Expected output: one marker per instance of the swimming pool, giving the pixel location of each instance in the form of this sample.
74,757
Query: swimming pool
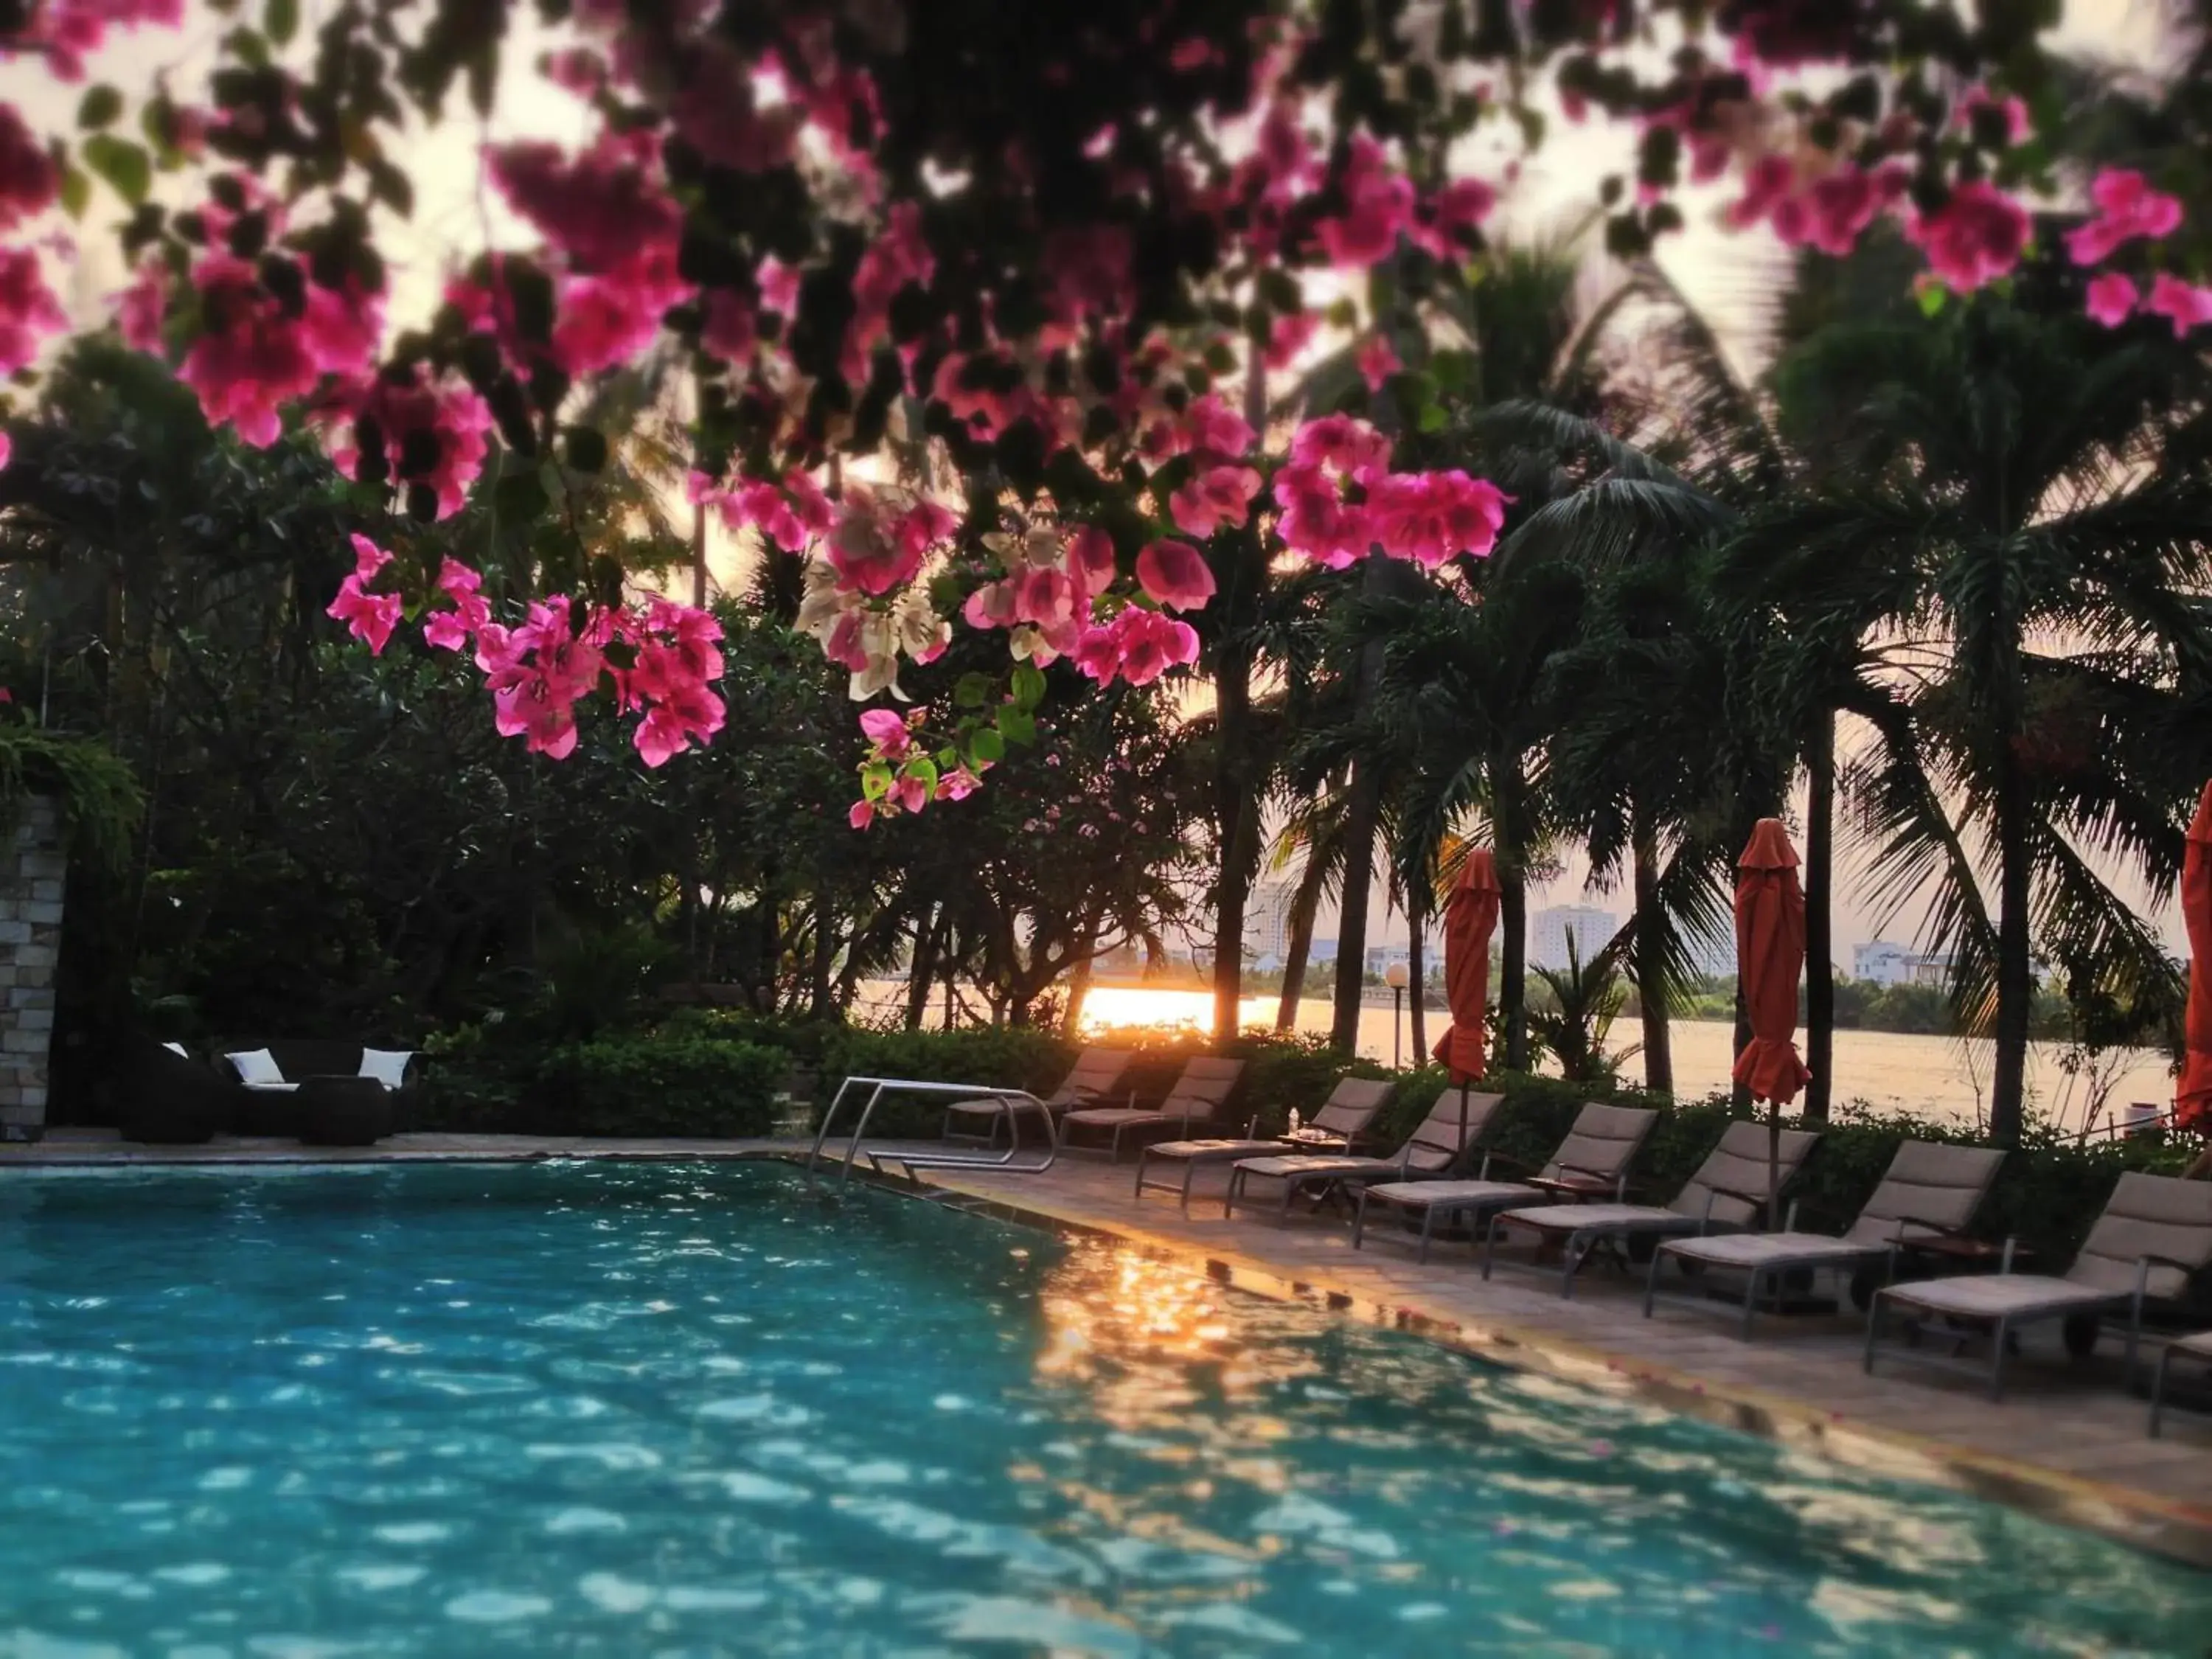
686,1409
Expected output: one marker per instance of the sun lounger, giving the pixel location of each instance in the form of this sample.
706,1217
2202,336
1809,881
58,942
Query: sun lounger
1931,1190
1436,1148
1090,1081
1350,1107
2156,1231
2198,1348
1729,1190
1198,1094
1597,1149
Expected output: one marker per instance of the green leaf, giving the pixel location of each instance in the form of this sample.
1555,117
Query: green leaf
1932,296
77,192
519,498
1431,419
923,767
587,448
987,747
1016,725
125,166
875,781
1029,685
100,106
281,22
972,691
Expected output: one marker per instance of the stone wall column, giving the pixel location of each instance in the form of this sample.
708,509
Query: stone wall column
33,871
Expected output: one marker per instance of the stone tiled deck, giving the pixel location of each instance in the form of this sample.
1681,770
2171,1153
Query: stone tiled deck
2067,1443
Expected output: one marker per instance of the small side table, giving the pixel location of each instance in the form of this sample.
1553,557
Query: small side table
342,1111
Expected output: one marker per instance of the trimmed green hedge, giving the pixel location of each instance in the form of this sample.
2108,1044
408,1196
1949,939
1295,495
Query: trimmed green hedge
632,1085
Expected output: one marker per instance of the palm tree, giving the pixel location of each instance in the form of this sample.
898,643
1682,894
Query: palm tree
2024,496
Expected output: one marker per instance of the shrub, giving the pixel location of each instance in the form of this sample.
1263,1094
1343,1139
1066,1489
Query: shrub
633,1085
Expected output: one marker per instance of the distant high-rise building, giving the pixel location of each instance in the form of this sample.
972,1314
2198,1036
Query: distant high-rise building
1267,921
1548,931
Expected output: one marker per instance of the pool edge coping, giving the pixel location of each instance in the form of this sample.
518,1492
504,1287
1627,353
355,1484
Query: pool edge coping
2173,1529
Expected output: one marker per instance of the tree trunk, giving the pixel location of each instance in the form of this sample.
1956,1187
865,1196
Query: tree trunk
1513,962
1237,818
1651,975
1417,916
922,968
1305,903
1359,826
825,949
1820,929
2015,959
1079,987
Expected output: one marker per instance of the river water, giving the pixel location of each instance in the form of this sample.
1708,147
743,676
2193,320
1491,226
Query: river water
1938,1077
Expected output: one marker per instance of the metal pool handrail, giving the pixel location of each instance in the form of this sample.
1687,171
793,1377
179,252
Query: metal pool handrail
878,1087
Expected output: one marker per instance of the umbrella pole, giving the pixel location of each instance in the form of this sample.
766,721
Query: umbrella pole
1773,1163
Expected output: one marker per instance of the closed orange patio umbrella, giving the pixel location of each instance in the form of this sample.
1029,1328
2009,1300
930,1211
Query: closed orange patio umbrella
2192,1092
1470,917
1770,957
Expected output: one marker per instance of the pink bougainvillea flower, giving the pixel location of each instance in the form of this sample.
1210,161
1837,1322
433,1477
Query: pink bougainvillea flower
1210,427
1213,497
1150,644
257,353
1288,336
29,310
2014,110
600,207
614,315
449,630
2185,305
957,784
2127,207
1836,210
142,308
1431,517
1175,573
1090,560
1378,204
1378,361
779,286
873,550
2112,298
1340,443
1975,238
1766,183
415,431
369,618
1444,223
860,814
887,732
29,183
7,450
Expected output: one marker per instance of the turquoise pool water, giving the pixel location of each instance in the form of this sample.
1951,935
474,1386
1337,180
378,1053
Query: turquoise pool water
687,1410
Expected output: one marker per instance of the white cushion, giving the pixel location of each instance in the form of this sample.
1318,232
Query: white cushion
178,1048
256,1066
387,1066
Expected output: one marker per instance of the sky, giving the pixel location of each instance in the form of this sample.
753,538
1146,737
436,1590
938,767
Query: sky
1726,274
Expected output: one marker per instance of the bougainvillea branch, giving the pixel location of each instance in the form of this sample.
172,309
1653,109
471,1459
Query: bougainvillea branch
894,245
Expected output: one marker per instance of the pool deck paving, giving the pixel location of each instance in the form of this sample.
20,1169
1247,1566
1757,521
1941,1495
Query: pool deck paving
2068,1442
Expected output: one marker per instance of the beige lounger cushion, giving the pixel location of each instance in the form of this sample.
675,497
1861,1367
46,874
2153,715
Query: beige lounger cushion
1739,1165
1438,1144
1095,1072
1614,1218
1602,1142
1352,1105
1772,1249
1113,1117
2148,1215
1987,1296
1308,1164
1208,1149
1427,1194
1926,1182
2197,1347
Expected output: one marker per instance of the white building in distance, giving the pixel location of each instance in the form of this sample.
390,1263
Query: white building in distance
1885,963
1267,922
1548,931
